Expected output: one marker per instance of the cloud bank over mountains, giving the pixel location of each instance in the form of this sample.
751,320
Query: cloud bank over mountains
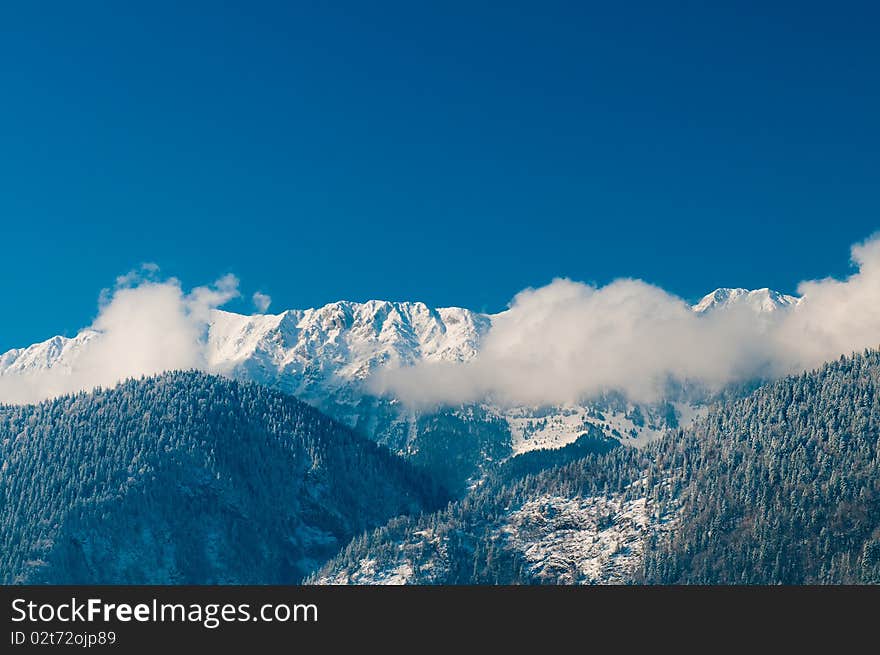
564,342
567,341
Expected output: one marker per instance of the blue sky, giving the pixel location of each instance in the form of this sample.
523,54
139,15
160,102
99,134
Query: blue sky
453,153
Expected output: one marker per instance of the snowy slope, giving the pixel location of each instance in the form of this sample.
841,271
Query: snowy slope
559,539
593,540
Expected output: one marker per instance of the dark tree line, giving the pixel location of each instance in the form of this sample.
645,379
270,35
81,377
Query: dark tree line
188,478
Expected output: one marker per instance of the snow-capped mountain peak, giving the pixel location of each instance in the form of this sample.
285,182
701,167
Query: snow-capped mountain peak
760,300
342,340
58,351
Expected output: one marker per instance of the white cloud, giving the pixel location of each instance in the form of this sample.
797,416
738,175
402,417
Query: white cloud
568,340
146,271
262,301
837,317
146,327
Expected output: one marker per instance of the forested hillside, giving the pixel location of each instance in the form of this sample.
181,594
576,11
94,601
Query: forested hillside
188,478
783,486
780,487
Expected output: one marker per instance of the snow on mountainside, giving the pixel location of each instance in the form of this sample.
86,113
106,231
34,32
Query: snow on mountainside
555,539
592,540
324,356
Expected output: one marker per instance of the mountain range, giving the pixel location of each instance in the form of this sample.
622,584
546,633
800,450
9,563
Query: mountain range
190,477
327,357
